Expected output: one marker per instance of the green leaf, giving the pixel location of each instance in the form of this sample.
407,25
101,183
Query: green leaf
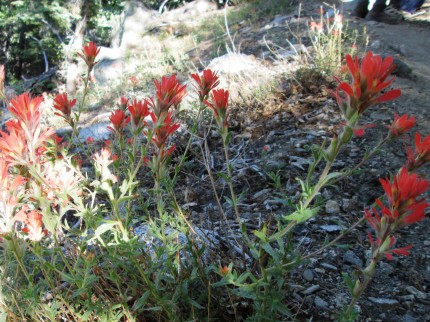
332,176
301,215
350,283
269,249
106,226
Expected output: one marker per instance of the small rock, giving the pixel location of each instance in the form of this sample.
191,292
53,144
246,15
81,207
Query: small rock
332,207
308,275
382,301
331,228
261,193
351,258
320,303
384,269
376,44
409,318
418,294
329,266
311,290
407,298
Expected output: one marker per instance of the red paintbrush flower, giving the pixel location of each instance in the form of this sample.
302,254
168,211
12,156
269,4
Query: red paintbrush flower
421,154
401,125
119,121
219,106
168,93
26,110
138,111
164,128
404,191
64,105
368,80
205,83
89,54
122,103
34,226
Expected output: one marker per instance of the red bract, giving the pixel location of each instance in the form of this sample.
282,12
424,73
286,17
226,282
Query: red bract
403,194
138,111
164,127
368,80
205,83
220,102
64,105
34,226
26,110
406,206
421,154
123,103
119,121
10,193
89,54
13,143
401,124
168,93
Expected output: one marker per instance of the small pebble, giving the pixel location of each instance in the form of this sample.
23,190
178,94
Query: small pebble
332,207
418,294
311,290
382,301
308,275
351,258
320,303
329,266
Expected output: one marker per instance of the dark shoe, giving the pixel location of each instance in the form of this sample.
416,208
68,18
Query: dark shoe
389,16
361,9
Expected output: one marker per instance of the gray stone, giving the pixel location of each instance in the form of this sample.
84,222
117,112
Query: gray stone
417,293
311,290
351,258
329,266
383,301
407,298
332,207
97,131
331,228
409,318
320,303
308,275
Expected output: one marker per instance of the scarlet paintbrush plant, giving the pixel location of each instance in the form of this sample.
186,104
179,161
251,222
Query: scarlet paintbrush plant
219,99
421,155
369,79
138,111
401,125
119,121
406,205
64,106
205,83
168,93
89,54
23,141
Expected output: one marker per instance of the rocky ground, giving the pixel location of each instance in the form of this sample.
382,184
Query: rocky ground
299,115
272,131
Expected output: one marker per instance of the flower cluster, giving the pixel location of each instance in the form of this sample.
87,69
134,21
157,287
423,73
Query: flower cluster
405,206
369,79
89,54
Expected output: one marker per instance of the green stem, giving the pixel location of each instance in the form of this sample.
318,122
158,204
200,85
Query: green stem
20,263
230,179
